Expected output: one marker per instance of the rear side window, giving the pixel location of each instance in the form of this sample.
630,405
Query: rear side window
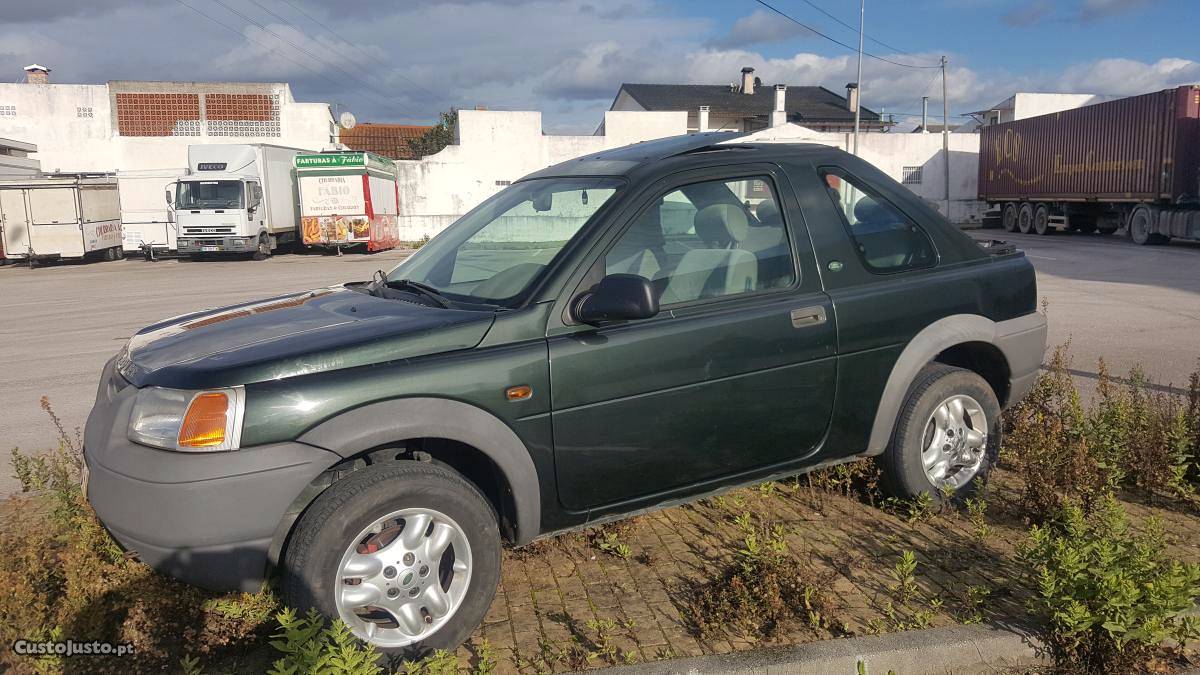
886,239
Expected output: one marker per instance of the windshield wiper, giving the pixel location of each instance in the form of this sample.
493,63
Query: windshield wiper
420,289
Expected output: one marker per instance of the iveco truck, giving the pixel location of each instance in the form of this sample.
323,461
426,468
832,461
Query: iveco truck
238,198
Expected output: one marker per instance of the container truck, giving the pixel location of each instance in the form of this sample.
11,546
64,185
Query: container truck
67,217
1132,163
237,198
348,199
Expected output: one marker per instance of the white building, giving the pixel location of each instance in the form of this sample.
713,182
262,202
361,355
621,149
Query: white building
141,130
15,161
1031,104
494,148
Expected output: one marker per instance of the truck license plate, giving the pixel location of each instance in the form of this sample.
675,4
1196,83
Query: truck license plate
210,248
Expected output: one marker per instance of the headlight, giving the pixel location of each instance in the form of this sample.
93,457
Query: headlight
189,421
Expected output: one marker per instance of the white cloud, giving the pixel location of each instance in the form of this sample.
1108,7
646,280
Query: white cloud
760,27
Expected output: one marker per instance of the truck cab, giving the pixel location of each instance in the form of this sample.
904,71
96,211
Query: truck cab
218,213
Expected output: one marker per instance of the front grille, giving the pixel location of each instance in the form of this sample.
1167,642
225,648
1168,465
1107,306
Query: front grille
203,231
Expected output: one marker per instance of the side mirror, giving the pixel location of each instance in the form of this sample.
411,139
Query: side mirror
618,297
170,197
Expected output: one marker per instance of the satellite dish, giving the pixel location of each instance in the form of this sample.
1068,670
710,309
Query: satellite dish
347,120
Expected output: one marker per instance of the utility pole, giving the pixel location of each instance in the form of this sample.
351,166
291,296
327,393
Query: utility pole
924,114
862,16
946,135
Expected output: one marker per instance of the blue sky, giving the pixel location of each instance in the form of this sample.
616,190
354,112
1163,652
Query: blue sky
406,61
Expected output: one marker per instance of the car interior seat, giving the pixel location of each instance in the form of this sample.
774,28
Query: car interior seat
721,268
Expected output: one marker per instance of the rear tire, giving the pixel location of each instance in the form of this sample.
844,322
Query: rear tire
1025,218
1141,223
388,561
1041,220
1008,217
936,441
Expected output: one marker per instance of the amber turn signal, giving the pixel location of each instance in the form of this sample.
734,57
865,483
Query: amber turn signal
518,393
205,422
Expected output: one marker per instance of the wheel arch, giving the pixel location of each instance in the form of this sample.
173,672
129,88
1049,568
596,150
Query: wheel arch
964,340
458,435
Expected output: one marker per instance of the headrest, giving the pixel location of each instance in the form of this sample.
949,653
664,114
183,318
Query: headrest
767,211
868,210
721,224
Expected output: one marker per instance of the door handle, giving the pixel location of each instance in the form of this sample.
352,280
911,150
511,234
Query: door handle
808,316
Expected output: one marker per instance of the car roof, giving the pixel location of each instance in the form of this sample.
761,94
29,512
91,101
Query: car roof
629,158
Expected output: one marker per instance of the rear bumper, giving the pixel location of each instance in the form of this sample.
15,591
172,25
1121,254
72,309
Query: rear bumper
208,519
222,245
1023,343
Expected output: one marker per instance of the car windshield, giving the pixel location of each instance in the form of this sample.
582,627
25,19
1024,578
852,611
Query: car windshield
493,254
209,194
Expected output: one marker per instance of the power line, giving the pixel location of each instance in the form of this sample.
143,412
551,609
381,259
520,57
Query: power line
837,41
351,43
881,43
304,51
260,44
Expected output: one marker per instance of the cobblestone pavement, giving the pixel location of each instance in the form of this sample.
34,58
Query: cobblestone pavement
566,604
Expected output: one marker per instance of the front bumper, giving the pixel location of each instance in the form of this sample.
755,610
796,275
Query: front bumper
222,245
208,519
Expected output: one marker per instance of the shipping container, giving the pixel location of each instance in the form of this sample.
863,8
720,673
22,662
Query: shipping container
1133,162
60,217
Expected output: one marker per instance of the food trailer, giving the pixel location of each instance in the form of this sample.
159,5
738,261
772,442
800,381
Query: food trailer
66,216
348,199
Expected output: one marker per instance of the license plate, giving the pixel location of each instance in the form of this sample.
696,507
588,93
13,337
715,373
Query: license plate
210,248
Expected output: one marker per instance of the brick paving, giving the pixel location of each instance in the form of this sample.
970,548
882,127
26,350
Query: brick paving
565,604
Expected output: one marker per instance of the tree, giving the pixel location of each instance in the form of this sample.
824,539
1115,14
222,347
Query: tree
432,141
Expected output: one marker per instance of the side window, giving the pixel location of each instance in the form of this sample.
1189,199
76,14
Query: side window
886,239
708,240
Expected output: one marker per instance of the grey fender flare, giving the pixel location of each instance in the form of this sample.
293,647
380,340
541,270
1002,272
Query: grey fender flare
385,422
1022,341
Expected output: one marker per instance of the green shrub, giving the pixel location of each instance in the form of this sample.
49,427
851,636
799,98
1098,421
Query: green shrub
309,646
1106,596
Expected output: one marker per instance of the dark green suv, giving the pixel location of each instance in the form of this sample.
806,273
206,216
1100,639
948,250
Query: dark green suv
616,333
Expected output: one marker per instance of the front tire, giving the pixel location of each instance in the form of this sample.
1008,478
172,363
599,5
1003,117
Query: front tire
947,436
407,554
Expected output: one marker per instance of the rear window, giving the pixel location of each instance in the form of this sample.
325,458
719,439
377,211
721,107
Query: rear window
887,240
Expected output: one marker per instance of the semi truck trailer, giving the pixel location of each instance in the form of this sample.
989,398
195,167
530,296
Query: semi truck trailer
1132,163
237,198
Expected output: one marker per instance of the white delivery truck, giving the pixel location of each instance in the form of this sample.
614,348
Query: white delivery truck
236,199
60,217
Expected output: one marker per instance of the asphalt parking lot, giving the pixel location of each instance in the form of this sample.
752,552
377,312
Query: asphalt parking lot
60,323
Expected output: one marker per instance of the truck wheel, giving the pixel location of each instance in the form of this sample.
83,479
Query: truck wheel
1025,218
1008,217
1041,220
1140,223
947,435
264,247
407,554
110,254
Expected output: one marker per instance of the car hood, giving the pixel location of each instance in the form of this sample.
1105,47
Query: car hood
289,335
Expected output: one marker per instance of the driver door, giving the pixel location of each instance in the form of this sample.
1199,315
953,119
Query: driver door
736,372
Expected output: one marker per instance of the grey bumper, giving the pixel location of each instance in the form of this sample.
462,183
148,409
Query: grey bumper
1023,343
223,245
205,518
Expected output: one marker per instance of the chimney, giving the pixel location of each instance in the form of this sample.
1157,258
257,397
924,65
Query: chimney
852,96
779,114
747,80
924,114
37,74
703,119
